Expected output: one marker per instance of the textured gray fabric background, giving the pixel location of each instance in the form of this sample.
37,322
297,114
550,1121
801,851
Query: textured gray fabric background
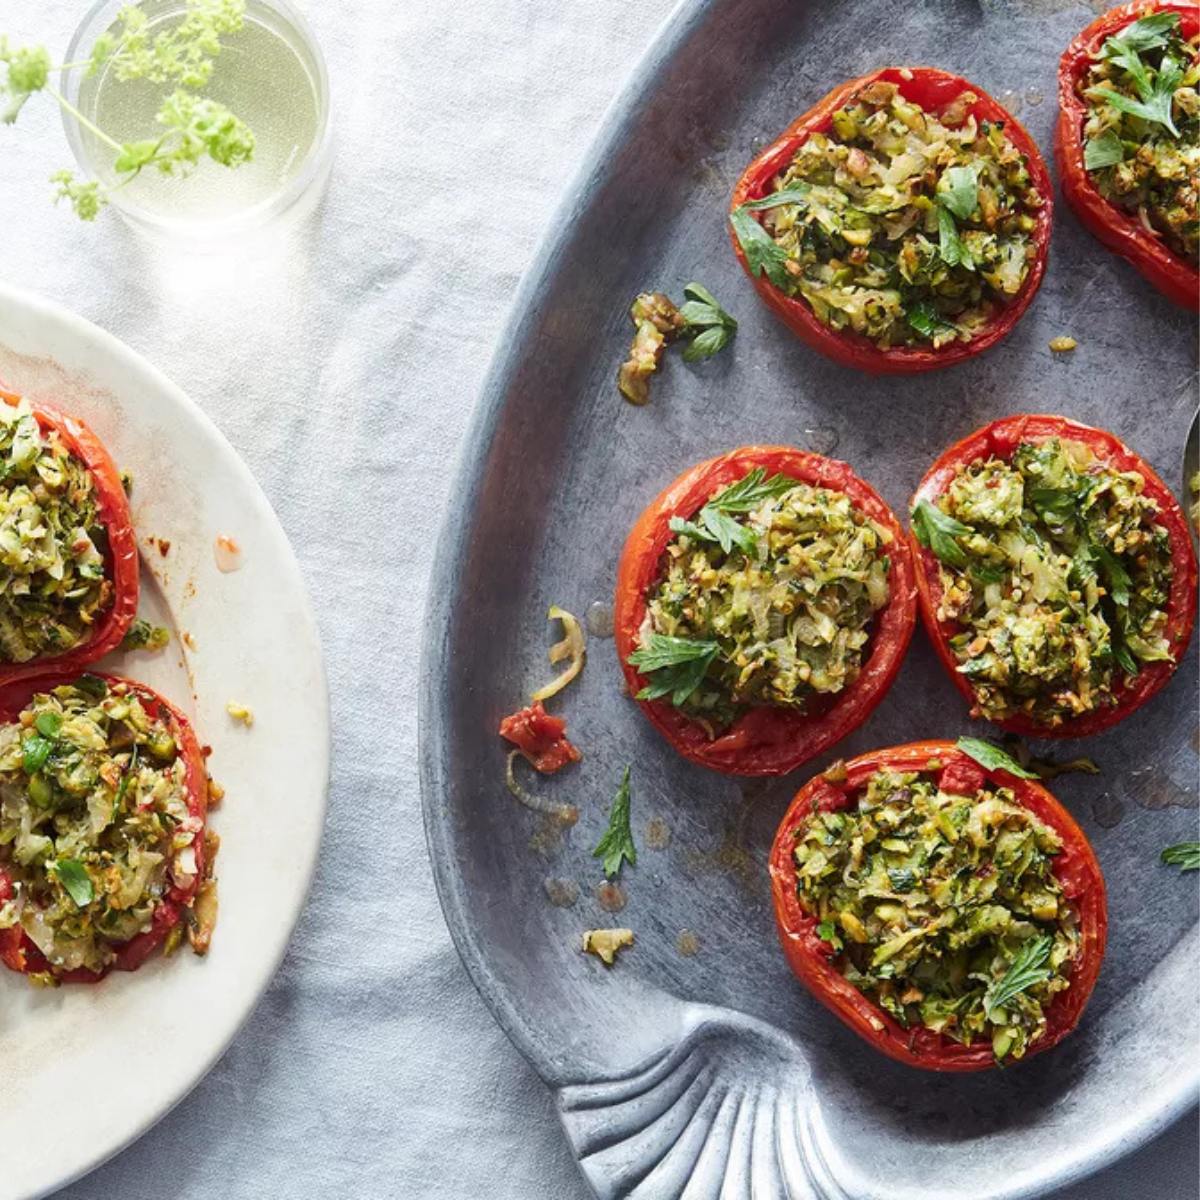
343,372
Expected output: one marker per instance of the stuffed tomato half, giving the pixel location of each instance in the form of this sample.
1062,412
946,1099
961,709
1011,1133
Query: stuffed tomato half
1056,575
899,225
764,603
1126,139
951,915
68,554
103,806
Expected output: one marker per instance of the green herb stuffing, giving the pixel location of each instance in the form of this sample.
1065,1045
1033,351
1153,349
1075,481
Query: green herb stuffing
144,636
766,597
616,846
94,822
1185,856
1142,131
906,226
1057,573
943,909
52,544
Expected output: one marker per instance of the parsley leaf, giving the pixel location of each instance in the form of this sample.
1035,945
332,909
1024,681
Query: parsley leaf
706,344
679,525
792,195
1156,96
950,245
748,493
903,879
1028,968
708,326
727,531
992,757
927,321
617,845
1148,33
936,530
961,193
763,253
74,877
678,664
1185,856
1106,150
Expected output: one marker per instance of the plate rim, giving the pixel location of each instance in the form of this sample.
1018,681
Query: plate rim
434,684
108,345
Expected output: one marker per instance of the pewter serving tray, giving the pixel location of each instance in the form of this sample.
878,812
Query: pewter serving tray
714,1073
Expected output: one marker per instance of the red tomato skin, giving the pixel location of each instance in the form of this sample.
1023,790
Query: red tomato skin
1001,439
765,741
1122,233
121,566
1076,869
17,952
933,89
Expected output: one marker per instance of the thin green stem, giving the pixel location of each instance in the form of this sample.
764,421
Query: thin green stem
89,125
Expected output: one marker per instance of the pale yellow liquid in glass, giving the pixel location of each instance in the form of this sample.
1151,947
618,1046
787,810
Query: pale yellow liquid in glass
264,74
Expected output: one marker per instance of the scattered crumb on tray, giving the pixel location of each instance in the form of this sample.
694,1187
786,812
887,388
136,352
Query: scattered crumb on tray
605,944
239,712
1060,345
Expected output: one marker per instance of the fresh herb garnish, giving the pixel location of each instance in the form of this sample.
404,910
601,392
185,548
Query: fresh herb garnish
1104,150
709,327
951,247
716,524
1116,577
927,321
748,493
1155,94
791,195
678,664
617,845
74,877
903,879
763,253
992,757
181,58
1028,968
1185,856
937,531
961,193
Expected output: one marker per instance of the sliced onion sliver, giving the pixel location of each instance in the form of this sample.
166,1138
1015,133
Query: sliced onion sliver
568,814
573,646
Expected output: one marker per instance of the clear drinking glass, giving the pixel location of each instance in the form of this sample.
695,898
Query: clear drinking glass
271,74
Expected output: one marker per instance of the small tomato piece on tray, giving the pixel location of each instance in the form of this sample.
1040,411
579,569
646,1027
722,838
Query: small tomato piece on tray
901,224
540,737
954,930
1128,122
102,830
68,596
1056,575
764,603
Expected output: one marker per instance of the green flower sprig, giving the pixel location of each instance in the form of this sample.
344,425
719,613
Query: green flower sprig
181,58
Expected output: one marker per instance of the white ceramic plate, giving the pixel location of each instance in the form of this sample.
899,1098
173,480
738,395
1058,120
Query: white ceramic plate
84,1070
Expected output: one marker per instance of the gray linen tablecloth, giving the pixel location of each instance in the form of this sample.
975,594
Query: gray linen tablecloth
344,376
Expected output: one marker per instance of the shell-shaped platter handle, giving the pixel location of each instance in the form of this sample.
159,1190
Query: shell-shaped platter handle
724,1113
